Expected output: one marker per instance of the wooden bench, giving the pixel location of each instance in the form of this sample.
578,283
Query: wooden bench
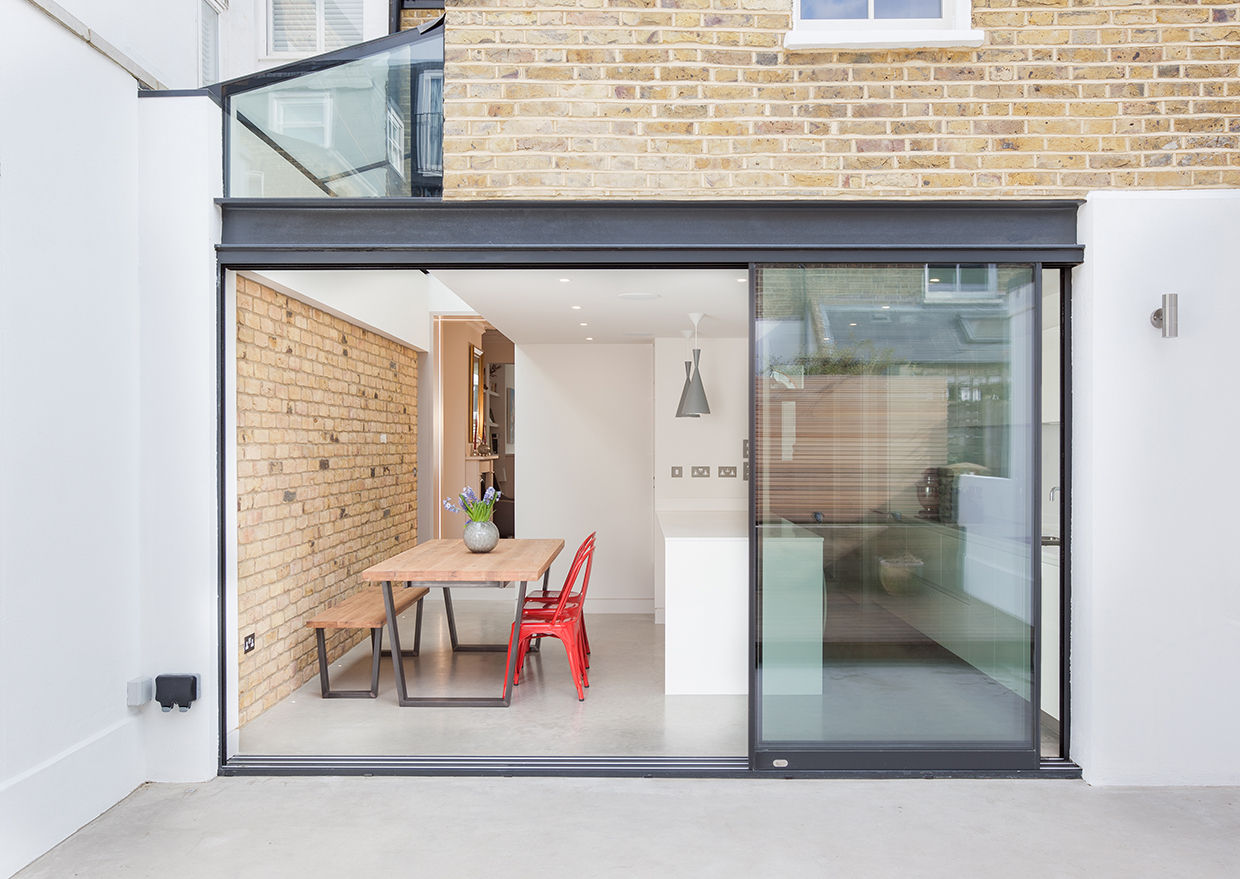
365,611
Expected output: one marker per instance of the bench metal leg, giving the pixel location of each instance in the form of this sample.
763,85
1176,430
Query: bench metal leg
325,683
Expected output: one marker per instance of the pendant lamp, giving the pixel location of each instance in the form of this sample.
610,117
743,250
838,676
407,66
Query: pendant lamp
693,395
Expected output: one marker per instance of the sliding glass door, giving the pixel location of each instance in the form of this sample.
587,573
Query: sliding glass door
895,469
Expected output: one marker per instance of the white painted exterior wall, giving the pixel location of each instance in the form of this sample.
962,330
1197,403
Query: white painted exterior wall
179,140
160,35
585,463
69,461
70,465
1156,597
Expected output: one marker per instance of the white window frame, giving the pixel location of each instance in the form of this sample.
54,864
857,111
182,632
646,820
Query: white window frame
218,7
394,136
320,39
279,100
953,29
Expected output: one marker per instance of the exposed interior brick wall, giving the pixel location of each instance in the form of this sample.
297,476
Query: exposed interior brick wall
321,495
698,99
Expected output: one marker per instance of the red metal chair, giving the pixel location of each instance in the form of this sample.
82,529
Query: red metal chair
548,598
562,621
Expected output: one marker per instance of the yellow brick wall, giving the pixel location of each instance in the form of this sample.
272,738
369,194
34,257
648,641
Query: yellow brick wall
320,495
698,99
411,18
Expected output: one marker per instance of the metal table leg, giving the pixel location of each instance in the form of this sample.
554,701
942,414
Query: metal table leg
402,692
417,637
458,647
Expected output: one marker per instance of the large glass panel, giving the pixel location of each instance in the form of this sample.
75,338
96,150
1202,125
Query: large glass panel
368,127
895,490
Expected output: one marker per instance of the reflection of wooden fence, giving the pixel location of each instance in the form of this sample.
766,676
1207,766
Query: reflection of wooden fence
859,444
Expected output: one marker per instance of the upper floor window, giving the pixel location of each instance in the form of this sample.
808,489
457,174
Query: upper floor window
209,40
881,24
304,27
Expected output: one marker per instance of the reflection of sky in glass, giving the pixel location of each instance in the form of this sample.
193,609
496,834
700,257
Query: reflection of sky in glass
833,8
907,9
826,9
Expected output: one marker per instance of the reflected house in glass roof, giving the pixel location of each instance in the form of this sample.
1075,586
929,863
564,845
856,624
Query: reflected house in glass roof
365,121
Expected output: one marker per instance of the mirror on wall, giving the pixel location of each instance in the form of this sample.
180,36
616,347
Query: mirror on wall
477,399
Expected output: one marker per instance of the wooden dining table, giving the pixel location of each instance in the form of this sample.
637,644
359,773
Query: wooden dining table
447,564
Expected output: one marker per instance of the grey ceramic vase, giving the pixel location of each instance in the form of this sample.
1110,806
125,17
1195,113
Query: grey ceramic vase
481,536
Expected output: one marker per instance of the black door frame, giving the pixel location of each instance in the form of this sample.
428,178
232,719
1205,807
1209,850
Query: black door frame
427,235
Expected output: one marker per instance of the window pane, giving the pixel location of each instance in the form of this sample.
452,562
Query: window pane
907,9
342,23
293,27
209,43
812,9
894,479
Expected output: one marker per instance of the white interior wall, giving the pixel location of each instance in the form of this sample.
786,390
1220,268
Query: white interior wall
1156,608
70,465
712,440
585,433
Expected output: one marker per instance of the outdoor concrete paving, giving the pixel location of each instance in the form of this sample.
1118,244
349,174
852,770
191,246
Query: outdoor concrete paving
526,827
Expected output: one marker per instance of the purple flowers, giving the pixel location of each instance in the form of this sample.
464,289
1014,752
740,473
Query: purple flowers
478,509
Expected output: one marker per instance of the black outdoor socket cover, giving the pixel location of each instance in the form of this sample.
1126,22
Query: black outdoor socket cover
178,690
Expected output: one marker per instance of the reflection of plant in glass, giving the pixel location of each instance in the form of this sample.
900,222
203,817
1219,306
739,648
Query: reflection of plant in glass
864,358
478,509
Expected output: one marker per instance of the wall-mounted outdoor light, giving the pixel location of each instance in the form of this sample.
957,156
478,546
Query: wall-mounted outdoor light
1167,318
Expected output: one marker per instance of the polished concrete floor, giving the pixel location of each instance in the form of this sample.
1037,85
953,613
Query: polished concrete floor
625,711
271,828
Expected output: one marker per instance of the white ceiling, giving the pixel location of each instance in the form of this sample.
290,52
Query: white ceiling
532,306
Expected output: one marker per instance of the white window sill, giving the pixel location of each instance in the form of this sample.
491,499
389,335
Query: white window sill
928,38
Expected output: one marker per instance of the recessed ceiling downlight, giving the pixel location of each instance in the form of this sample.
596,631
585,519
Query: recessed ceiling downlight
637,297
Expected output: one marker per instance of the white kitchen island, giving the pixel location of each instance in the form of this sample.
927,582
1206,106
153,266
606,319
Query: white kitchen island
704,568
702,597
